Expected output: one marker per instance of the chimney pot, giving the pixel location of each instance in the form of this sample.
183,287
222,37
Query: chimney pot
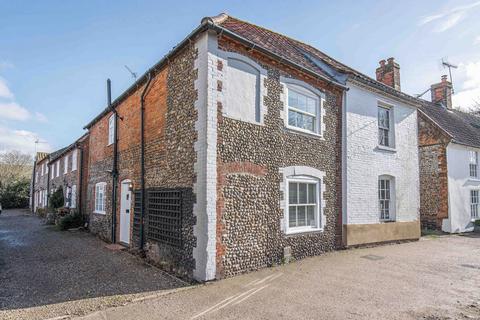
444,78
389,73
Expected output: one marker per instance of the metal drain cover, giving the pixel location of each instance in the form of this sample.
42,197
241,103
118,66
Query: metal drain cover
372,257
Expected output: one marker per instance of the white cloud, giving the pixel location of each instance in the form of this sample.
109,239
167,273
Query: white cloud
448,18
5,90
13,111
476,41
21,140
468,93
41,117
6,65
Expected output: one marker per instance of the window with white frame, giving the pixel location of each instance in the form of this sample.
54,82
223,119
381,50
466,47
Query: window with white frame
474,204
41,169
44,198
386,198
37,176
474,164
58,168
303,204
385,136
52,171
65,164
73,196
74,159
111,128
304,110
100,197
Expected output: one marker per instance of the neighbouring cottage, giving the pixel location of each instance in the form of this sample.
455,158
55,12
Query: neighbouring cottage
381,176
39,194
449,143
65,169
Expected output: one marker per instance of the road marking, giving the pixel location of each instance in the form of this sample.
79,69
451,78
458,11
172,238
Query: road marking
240,297
251,294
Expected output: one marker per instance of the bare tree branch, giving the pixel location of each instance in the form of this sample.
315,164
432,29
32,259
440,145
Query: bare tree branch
14,166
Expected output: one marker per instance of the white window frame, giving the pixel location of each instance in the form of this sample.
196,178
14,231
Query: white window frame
74,159
65,164
391,126
391,199
318,205
111,129
52,171
100,203
319,106
58,168
73,200
474,204
473,165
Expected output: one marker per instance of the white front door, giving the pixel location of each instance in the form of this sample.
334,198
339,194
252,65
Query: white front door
125,208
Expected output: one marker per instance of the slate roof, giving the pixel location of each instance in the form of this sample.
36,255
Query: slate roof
463,128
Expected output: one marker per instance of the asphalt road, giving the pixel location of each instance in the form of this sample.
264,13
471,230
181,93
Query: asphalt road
66,272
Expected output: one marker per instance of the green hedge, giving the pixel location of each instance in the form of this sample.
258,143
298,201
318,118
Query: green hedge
15,195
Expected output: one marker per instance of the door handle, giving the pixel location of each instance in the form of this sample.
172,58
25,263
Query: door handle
128,210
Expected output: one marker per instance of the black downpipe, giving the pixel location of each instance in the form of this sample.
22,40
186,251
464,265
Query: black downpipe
33,184
80,183
115,158
142,158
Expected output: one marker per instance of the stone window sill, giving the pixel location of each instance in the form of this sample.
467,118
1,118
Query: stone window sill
387,149
301,232
100,212
295,130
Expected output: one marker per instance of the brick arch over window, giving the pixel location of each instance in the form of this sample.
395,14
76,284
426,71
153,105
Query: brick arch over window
294,172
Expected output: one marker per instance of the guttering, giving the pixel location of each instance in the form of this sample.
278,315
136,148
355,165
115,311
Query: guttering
142,158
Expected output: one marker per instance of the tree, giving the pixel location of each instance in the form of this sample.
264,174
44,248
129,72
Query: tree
15,177
14,166
56,199
475,108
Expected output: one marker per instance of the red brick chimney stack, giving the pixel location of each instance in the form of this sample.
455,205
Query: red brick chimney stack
442,92
389,73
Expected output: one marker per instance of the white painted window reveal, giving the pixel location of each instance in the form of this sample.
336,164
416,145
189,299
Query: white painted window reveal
74,159
65,165
111,128
73,197
58,168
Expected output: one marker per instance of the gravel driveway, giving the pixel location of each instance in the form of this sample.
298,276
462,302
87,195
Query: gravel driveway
72,270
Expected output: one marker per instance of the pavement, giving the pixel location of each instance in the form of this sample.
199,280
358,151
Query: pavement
46,273
436,278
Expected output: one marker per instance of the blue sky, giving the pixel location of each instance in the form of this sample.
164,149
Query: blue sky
55,56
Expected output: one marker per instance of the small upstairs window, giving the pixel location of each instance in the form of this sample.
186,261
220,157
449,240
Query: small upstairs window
473,164
304,110
111,129
58,168
384,127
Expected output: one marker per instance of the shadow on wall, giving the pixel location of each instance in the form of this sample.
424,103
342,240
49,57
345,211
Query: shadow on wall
40,265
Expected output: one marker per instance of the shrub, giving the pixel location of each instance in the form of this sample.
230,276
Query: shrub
477,223
15,195
56,199
72,220
42,212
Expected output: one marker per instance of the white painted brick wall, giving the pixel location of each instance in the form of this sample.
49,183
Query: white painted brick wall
364,162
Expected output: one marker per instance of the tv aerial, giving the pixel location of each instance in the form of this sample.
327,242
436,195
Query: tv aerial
450,66
134,74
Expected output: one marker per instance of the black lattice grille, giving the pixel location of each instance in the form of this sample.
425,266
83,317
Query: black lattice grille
164,209
137,208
